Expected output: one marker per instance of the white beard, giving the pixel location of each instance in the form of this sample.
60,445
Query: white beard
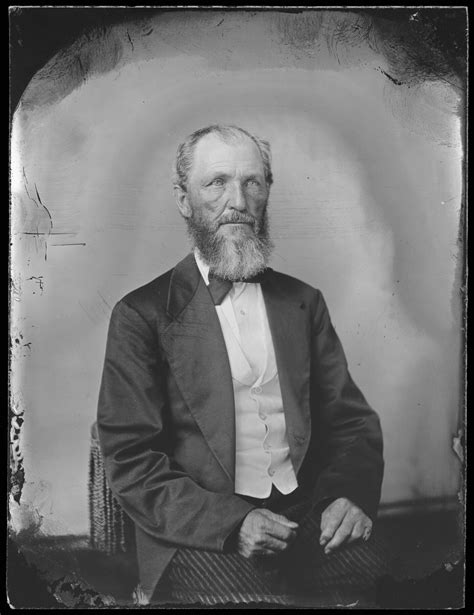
233,258
239,258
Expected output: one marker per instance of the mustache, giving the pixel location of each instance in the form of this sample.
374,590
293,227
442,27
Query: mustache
236,218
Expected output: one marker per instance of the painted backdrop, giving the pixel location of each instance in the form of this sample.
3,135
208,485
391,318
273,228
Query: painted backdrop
367,160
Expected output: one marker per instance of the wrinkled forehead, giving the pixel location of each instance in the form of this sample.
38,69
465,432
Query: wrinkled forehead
236,152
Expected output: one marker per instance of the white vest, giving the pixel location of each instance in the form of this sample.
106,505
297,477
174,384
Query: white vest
262,453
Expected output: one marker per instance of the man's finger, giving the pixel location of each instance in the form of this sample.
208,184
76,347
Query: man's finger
367,532
280,527
264,545
274,544
340,536
281,519
357,532
279,531
329,526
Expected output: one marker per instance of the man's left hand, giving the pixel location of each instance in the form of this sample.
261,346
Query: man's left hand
343,522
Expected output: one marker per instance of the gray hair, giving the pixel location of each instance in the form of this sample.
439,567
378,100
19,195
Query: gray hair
185,153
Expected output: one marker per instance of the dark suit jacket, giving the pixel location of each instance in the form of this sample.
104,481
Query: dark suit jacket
166,412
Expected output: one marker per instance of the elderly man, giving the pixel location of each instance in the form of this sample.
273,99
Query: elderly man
232,432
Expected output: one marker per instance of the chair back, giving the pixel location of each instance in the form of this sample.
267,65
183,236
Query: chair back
111,529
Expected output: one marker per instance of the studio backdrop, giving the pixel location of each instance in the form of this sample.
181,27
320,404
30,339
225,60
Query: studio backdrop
366,206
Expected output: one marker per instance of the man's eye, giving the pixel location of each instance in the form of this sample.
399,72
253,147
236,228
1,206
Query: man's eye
253,182
217,182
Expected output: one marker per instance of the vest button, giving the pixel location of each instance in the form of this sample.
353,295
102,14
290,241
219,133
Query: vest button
262,416
256,390
271,471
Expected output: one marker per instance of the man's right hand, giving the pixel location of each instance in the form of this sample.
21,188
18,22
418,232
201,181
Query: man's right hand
265,533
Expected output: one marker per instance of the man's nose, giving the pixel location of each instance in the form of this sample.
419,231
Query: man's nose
237,198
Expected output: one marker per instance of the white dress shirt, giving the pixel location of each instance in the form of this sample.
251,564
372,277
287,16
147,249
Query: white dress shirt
262,454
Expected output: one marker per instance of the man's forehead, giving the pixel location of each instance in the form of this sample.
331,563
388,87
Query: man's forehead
212,151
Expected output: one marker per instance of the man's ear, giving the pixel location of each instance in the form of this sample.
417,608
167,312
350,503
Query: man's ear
182,201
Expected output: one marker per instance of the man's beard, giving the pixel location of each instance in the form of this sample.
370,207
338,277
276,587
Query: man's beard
236,257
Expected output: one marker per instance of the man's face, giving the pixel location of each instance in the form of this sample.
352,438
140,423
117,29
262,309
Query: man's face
225,206
226,185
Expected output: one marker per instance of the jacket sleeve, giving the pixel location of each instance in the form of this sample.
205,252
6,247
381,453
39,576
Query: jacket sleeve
137,447
351,444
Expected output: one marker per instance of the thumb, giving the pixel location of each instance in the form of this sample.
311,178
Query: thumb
283,520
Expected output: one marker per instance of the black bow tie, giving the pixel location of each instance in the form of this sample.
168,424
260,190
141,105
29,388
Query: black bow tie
219,287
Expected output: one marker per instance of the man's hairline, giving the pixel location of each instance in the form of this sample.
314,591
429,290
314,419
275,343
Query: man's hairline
238,134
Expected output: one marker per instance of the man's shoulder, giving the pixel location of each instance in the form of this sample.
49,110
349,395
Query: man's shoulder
303,293
295,286
150,296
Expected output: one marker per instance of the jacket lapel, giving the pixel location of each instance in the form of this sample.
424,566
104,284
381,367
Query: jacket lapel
197,354
290,328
